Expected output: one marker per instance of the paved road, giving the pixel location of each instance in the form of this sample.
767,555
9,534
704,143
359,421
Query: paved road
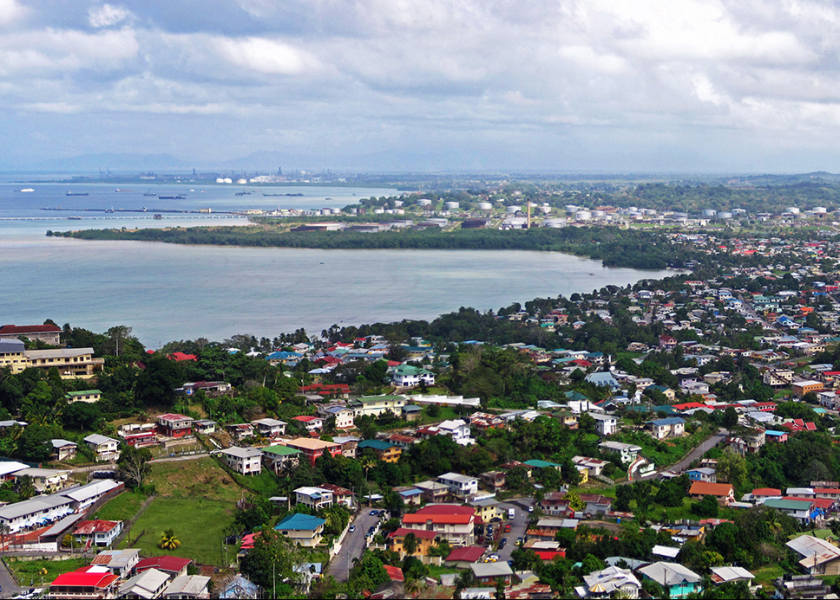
518,525
10,588
353,546
700,451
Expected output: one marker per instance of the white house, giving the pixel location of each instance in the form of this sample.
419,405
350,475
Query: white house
410,376
459,485
105,448
605,424
457,429
313,497
270,428
246,461
668,427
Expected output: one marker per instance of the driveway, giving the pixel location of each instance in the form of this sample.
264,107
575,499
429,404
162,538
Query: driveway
700,450
353,546
10,588
518,525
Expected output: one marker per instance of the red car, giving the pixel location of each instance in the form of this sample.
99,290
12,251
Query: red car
507,528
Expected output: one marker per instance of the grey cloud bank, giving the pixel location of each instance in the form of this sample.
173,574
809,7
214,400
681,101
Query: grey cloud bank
383,84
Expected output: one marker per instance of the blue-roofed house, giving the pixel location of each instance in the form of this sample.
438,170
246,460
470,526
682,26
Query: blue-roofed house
306,530
239,587
283,357
664,428
603,378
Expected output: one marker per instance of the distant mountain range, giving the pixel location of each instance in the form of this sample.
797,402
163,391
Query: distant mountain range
108,161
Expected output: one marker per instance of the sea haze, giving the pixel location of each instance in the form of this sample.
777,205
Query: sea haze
168,292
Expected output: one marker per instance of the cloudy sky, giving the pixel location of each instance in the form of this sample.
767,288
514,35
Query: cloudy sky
565,85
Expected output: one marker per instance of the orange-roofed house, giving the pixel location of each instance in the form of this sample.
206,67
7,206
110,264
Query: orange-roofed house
724,493
87,582
97,533
313,448
425,540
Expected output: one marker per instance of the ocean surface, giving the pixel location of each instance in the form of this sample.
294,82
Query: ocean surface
170,292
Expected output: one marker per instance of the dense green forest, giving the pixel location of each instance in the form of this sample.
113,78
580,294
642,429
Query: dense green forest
612,246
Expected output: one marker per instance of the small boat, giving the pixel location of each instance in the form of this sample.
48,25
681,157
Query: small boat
69,193
27,190
157,216
150,193
74,218
175,197
122,190
592,274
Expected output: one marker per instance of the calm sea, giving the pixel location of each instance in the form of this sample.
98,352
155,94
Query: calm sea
169,292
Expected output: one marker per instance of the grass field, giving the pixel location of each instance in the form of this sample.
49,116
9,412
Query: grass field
200,478
198,523
765,575
31,571
121,508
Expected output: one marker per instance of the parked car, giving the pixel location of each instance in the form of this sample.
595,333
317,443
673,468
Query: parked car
352,528
373,513
507,528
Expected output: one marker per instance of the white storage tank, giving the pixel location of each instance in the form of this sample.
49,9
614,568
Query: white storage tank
398,203
379,211
485,206
242,181
452,205
725,215
583,215
792,210
598,214
820,209
709,213
424,202
555,223
545,209
649,212
571,208
228,180
336,211
513,209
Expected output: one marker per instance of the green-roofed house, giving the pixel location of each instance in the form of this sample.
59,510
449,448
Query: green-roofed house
665,408
376,405
542,464
280,458
385,451
411,376
306,530
89,396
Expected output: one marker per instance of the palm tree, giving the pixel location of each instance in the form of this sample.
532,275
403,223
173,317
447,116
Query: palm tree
367,463
168,541
410,544
463,581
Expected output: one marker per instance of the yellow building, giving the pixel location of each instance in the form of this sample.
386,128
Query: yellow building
385,451
12,355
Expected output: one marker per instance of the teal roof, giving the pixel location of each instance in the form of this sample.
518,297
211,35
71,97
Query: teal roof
83,393
788,504
540,464
375,444
300,522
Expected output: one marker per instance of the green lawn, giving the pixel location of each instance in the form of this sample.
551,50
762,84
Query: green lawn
765,575
121,508
200,478
199,524
31,571
436,572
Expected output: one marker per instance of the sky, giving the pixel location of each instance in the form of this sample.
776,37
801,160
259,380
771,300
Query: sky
563,85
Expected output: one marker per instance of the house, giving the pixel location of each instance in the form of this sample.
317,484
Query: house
105,448
72,363
88,396
385,451
343,415
246,461
667,427
239,587
627,452
280,458
608,583
803,510
119,562
171,565
425,540
47,333
462,558
45,481
376,405
800,388
204,426
87,582
491,573
97,533
679,581
604,378
669,394
461,486
596,504
433,491
270,428
306,530
187,586
567,418
175,425
605,424
63,449
487,509
818,557
411,376
721,575
313,497
146,585
457,429
411,413
311,423
593,465
493,480
666,342
724,493
411,496
341,495
702,474
349,445
312,449
454,523
240,431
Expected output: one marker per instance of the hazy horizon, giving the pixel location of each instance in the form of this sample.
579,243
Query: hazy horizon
656,86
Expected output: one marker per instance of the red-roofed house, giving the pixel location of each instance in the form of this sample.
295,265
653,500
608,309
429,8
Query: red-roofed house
461,558
764,493
450,521
97,533
395,573
175,425
181,357
311,423
87,582
425,540
49,334
724,493
171,565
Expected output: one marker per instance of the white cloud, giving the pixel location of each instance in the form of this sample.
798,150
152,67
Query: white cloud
10,11
107,15
264,56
